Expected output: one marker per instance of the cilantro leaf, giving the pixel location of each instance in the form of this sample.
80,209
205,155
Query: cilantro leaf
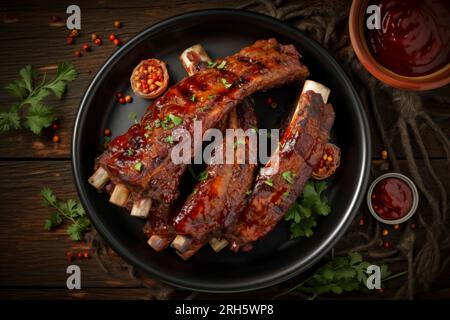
39,116
70,210
9,121
302,214
30,89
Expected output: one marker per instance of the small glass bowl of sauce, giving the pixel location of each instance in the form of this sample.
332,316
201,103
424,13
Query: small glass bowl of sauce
392,198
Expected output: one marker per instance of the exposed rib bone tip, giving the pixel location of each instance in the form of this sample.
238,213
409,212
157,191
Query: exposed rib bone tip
200,56
119,195
100,178
158,243
141,208
218,244
181,243
317,88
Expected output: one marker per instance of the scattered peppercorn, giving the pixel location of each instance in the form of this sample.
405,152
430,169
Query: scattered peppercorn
55,126
361,222
119,95
86,47
77,54
86,255
413,226
69,40
396,226
384,155
386,244
380,291
94,36
112,37
385,232
98,41
128,99
56,138
107,132
75,33
116,42
122,100
269,100
79,255
56,18
117,24
69,256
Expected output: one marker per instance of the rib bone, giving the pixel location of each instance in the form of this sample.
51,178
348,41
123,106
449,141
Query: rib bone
100,178
141,208
119,195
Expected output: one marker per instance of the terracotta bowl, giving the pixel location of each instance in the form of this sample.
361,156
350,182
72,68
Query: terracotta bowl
356,27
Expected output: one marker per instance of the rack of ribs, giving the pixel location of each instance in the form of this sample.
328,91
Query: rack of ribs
138,163
281,181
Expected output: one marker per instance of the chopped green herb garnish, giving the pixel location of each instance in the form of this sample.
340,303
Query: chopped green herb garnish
129,152
269,182
193,98
138,166
202,108
211,96
202,176
157,123
132,116
175,119
169,139
286,194
225,83
222,65
212,64
146,135
248,193
288,176
254,129
148,127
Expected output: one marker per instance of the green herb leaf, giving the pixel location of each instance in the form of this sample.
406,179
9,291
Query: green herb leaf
175,119
39,117
212,64
288,176
222,64
70,210
31,88
202,176
211,96
138,166
225,83
302,214
9,121
132,116
169,139
193,98
269,182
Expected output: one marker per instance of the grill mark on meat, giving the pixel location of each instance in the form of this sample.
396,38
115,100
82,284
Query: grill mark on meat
301,147
159,177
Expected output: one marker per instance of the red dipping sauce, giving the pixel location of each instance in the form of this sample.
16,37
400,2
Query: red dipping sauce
392,198
414,39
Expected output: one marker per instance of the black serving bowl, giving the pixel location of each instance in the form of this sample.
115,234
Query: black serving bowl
222,32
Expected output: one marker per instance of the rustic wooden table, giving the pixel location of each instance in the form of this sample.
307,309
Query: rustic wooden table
32,261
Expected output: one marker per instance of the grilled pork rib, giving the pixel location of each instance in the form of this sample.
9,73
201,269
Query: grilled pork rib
300,150
140,159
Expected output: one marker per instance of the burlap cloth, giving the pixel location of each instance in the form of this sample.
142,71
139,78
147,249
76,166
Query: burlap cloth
424,251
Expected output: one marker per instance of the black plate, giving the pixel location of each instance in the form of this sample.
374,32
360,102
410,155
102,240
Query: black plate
222,32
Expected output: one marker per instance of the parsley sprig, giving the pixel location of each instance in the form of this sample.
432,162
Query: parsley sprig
70,210
30,90
340,274
302,214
